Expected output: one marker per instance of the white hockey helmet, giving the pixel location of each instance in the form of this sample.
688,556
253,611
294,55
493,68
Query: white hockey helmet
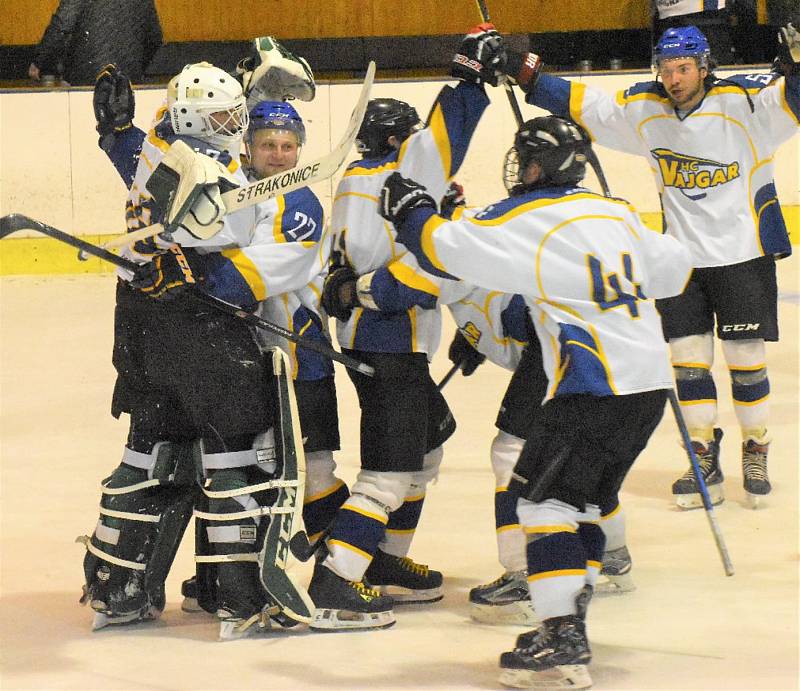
206,102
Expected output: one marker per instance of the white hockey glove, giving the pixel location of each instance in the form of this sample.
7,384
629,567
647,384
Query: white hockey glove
273,73
187,187
789,45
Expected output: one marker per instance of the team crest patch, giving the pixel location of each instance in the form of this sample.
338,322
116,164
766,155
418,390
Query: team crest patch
692,175
247,533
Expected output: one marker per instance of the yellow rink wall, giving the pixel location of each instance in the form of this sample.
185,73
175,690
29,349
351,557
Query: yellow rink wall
51,168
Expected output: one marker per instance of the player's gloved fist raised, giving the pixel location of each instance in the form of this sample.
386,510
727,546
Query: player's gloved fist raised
339,293
273,73
481,57
523,68
462,353
789,45
113,103
452,199
400,196
168,275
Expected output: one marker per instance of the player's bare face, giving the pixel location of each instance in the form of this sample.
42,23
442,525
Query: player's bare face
683,80
273,151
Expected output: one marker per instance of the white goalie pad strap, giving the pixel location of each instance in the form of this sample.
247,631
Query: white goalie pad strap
219,558
131,488
137,459
238,515
250,489
264,458
127,516
134,565
105,534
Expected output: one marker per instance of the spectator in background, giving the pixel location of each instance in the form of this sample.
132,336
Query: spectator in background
85,35
712,17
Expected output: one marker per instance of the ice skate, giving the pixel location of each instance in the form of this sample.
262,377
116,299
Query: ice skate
117,601
505,600
346,605
233,626
189,592
615,576
754,469
405,581
685,489
555,658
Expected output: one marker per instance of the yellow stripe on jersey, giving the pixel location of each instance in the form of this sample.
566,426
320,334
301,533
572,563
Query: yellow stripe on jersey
392,165
558,528
412,320
357,312
577,92
426,240
245,266
622,99
438,128
785,104
355,194
411,278
350,548
324,493
601,354
277,226
611,515
542,203
506,528
367,514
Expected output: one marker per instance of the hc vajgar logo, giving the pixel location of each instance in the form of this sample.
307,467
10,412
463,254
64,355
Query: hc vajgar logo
687,173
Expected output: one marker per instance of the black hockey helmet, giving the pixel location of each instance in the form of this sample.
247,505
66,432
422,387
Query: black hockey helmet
556,144
385,117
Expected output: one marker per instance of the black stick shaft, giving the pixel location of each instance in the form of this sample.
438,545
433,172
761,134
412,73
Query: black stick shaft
447,377
18,222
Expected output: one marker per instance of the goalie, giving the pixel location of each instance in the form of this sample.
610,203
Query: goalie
202,399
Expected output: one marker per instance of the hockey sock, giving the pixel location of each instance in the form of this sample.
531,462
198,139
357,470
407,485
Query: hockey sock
510,538
612,521
402,525
593,540
749,385
324,494
692,357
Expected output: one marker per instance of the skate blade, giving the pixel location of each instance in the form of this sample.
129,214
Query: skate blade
519,613
695,499
102,620
754,501
192,606
406,596
561,677
344,620
614,585
235,629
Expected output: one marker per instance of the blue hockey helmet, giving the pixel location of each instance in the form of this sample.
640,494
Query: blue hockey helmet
682,42
276,115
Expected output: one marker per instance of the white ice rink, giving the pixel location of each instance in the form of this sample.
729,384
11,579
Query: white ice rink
686,627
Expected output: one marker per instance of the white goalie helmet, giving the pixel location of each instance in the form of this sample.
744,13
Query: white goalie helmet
206,102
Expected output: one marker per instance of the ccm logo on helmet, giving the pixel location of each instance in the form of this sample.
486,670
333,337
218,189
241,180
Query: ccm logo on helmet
740,327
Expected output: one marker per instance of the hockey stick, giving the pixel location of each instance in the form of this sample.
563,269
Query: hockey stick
447,377
512,99
14,222
280,183
701,483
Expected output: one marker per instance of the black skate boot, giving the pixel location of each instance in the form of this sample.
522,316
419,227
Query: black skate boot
118,596
582,600
556,657
685,489
615,576
403,579
506,600
346,605
754,469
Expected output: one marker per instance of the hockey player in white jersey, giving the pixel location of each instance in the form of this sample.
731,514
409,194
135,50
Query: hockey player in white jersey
586,267
404,419
710,143
194,382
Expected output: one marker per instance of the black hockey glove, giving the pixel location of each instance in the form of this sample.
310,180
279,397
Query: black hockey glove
339,293
114,104
168,276
400,196
789,48
452,199
523,69
481,57
463,353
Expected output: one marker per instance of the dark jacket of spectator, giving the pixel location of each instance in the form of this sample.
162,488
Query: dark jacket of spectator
85,35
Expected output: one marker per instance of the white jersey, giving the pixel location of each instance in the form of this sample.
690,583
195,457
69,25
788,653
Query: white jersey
713,166
586,267
368,242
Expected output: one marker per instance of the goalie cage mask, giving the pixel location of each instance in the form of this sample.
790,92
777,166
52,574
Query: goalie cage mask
384,118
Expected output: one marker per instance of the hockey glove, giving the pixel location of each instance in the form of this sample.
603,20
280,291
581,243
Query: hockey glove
168,276
272,73
481,57
523,69
452,200
463,353
187,189
339,293
400,196
114,104
789,46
